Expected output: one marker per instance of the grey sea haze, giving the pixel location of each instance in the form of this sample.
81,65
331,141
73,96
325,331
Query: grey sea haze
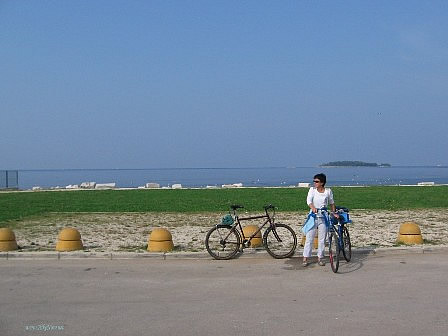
249,177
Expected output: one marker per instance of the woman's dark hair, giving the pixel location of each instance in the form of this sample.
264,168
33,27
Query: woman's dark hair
321,177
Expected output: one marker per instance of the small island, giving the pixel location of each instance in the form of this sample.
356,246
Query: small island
353,164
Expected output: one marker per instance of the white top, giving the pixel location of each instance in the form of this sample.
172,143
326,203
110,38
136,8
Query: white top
318,199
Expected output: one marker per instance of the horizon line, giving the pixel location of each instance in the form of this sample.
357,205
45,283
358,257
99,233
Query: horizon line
226,168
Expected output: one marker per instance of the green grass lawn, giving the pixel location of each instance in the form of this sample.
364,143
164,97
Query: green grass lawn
17,205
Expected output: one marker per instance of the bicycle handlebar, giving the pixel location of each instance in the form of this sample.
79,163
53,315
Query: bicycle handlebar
339,209
236,206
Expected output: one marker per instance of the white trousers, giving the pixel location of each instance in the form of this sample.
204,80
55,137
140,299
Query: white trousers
320,227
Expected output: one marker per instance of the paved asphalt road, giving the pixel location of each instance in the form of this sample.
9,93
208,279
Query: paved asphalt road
404,294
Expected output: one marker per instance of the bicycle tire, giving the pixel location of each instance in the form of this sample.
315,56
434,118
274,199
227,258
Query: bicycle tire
284,248
334,251
220,247
346,245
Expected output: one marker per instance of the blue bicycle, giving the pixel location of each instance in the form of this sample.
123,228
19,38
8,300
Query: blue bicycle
339,238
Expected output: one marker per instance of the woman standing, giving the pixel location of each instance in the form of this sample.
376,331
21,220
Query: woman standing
318,197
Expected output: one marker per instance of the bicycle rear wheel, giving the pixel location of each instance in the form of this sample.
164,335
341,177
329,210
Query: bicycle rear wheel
347,245
334,251
222,243
280,241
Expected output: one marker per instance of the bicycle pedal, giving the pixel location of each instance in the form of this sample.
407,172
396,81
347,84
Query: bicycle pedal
245,243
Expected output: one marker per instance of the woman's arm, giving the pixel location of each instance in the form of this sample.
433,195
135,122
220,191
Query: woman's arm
309,200
332,205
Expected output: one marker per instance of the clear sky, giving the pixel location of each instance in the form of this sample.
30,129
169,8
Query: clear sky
221,83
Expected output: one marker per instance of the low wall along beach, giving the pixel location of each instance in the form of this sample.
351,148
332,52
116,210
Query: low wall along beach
107,232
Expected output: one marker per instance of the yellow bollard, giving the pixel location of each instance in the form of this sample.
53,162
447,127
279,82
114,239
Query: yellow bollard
249,231
160,240
7,240
410,234
69,240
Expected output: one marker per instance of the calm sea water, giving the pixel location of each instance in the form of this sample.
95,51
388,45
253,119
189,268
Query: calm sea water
249,177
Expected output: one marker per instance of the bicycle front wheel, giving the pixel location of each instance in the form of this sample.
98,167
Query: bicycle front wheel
347,251
222,243
280,241
334,251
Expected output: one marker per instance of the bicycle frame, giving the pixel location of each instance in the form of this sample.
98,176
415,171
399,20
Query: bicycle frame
337,228
269,219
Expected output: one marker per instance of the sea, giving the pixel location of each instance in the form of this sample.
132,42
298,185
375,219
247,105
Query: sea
248,177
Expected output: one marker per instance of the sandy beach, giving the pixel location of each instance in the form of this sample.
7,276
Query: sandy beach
107,232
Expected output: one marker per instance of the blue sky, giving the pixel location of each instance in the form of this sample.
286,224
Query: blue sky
149,84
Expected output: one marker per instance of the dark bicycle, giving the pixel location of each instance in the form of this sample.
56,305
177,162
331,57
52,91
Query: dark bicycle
339,238
227,238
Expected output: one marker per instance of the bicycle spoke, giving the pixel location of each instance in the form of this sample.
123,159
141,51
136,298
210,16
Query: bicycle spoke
280,241
222,243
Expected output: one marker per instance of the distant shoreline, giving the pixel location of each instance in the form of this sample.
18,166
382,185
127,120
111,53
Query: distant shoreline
335,164
215,177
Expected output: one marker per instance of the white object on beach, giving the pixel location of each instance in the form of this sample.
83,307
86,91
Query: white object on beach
88,185
425,183
105,185
303,185
36,188
234,185
176,186
72,186
152,185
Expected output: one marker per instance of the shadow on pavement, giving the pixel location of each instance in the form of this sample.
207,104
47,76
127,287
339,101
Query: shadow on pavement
357,262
